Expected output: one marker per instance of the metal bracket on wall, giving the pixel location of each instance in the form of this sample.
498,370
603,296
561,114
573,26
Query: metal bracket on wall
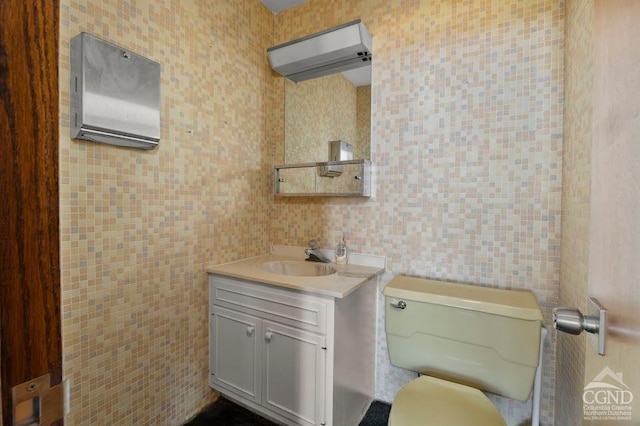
36,402
596,310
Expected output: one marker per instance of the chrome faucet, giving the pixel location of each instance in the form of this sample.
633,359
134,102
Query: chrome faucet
314,253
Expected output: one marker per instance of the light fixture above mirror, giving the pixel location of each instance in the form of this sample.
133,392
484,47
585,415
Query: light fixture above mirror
337,49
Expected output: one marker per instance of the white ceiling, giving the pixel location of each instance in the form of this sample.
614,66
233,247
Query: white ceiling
280,5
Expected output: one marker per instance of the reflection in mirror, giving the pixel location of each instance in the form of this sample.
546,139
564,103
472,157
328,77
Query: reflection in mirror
349,182
297,181
324,109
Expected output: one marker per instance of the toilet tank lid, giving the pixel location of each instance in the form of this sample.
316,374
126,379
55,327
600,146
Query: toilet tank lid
508,303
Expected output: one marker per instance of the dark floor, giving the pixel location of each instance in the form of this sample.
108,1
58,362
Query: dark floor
377,414
225,413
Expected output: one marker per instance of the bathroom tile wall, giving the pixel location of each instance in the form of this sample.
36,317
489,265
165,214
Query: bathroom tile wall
138,227
576,206
467,110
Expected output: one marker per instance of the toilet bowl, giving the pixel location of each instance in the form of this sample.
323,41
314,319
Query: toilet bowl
463,340
428,400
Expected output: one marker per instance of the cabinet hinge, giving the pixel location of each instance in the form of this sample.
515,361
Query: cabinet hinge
36,401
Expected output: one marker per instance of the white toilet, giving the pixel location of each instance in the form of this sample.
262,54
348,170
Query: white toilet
462,339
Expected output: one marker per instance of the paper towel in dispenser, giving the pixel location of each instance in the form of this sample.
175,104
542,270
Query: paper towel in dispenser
115,94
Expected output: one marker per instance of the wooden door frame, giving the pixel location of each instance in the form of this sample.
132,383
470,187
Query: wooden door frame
30,324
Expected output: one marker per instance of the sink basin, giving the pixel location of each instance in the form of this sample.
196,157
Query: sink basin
299,268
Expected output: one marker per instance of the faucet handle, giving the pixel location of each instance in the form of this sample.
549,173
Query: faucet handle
313,244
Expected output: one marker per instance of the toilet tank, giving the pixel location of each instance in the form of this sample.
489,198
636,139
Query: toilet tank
481,337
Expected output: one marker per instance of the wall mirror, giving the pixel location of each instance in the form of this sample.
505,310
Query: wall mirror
324,109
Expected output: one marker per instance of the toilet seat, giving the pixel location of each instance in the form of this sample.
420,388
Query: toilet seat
431,401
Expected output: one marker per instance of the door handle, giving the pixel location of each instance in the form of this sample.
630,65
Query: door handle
267,336
250,330
572,321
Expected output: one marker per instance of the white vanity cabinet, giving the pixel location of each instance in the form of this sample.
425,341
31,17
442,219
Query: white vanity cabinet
299,358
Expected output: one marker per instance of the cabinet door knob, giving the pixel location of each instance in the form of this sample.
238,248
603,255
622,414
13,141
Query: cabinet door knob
250,330
267,336
400,305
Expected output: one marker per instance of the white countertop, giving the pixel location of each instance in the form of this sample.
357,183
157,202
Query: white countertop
340,284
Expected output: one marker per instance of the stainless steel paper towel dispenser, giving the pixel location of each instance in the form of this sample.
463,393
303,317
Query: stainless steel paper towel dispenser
115,94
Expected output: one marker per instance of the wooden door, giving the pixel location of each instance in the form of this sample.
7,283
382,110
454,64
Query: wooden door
30,342
614,272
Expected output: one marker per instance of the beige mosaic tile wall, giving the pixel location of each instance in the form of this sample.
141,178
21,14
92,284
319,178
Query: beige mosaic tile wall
576,206
467,103
138,227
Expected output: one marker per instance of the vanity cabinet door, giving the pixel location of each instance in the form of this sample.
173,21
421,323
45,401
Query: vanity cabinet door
294,363
235,352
